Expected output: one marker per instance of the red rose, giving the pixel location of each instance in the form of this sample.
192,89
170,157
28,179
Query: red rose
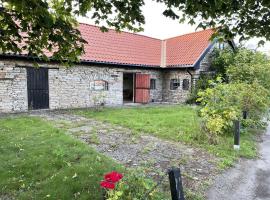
113,177
107,185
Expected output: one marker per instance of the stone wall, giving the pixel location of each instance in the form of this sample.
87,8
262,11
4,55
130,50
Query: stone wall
74,87
179,95
13,88
68,88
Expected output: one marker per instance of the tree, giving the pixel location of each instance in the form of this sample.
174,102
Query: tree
48,28
249,66
33,26
220,60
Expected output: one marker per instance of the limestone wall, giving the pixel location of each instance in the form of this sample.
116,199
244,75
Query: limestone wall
13,88
179,95
68,87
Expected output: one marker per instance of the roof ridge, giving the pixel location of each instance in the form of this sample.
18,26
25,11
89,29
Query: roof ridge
83,23
188,34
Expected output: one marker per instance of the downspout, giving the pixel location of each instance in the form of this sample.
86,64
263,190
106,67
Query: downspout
191,78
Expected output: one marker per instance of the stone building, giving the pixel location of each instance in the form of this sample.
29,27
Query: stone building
116,68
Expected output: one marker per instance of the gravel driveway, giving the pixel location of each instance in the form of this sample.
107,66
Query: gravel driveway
249,180
151,153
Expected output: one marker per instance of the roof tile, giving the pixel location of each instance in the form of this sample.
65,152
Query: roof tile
134,49
187,49
123,47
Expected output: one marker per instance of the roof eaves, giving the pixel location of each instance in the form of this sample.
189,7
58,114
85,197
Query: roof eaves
82,61
179,66
119,63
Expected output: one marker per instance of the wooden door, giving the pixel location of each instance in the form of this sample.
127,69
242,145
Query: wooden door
142,88
37,88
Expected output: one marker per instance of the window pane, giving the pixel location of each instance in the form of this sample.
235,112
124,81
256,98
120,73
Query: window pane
152,84
174,84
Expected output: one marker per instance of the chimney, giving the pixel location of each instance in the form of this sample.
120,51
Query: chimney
163,53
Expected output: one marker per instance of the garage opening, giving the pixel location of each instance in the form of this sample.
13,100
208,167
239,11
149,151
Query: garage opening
128,87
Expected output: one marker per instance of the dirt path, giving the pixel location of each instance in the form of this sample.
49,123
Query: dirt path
146,151
249,180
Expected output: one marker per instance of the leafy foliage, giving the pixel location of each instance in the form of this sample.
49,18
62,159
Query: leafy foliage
33,26
249,66
40,29
224,103
201,84
221,60
48,28
246,18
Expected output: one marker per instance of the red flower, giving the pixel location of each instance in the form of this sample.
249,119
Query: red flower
113,177
107,185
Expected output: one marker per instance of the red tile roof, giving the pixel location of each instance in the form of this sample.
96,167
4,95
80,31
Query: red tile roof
123,48
187,49
133,49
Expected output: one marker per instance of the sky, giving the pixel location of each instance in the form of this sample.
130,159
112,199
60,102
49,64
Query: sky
158,26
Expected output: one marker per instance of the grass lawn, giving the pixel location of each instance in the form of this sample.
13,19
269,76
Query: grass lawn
177,123
41,162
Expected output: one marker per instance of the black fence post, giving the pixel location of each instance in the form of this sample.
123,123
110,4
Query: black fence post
236,145
245,114
176,184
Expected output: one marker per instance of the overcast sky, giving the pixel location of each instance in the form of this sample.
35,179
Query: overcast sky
158,26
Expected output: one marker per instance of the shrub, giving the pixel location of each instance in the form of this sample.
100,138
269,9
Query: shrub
201,84
224,103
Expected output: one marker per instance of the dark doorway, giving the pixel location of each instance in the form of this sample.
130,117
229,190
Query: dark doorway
128,87
37,88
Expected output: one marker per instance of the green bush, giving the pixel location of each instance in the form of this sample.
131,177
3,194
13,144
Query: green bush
201,84
244,86
224,103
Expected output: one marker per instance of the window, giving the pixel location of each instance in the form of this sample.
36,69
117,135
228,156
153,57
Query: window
186,84
152,84
101,85
174,84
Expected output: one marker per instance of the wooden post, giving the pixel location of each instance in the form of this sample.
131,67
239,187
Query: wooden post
176,184
236,145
